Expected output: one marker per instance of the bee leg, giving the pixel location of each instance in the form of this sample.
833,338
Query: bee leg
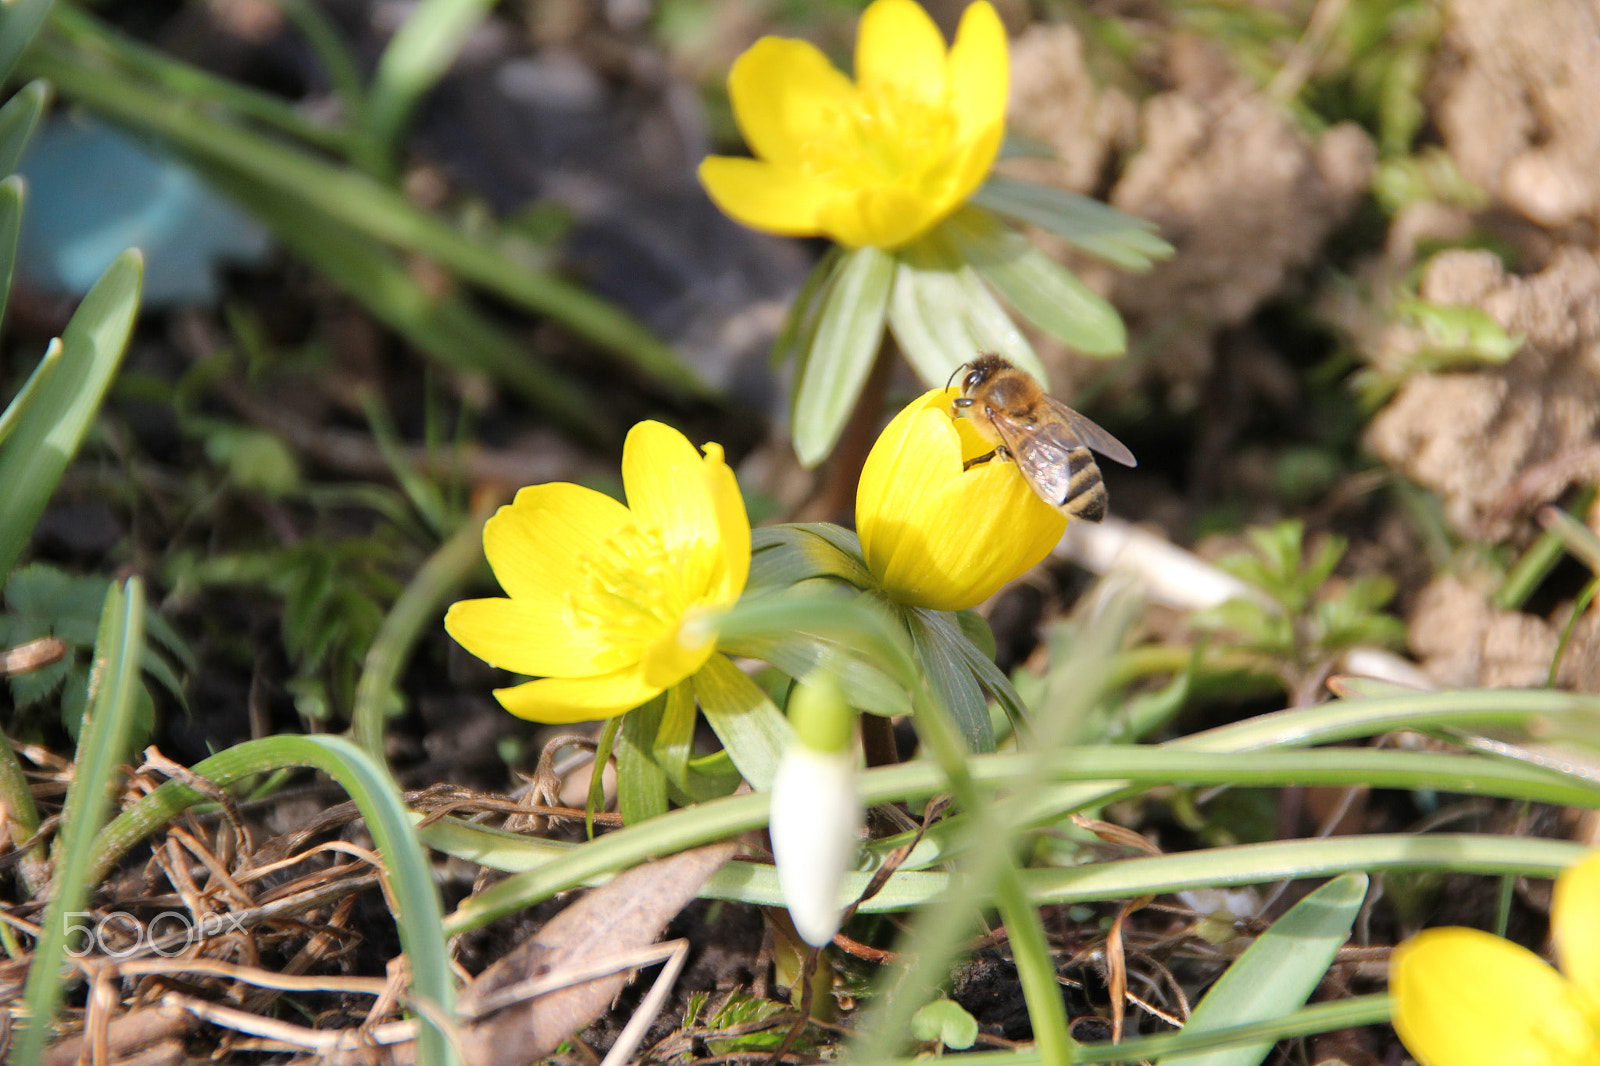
999,453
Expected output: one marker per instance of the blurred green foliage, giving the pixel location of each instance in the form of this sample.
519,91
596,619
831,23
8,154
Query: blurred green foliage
1304,617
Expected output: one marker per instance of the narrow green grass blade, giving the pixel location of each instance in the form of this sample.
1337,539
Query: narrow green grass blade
751,728
410,879
48,431
1042,290
30,392
444,325
416,57
1099,229
418,607
18,118
362,204
19,23
13,191
842,352
102,744
177,80
1278,972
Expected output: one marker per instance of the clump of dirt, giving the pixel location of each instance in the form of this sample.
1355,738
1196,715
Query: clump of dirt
1470,436
1056,101
1515,87
1246,197
1462,639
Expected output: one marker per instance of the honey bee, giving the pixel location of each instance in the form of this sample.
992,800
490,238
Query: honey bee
1048,440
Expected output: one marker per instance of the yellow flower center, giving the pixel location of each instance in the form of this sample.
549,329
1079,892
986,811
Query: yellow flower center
889,137
631,588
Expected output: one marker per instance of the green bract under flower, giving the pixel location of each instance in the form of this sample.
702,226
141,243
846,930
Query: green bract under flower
1463,997
610,605
876,161
939,536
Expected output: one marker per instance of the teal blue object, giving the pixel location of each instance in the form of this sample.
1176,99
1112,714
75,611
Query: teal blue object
93,192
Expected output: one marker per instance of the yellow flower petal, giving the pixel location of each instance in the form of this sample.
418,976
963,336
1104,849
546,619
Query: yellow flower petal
578,699
1575,920
970,167
980,72
875,162
935,535
884,217
609,605
536,543
1466,998
899,49
679,653
762,196
733,523
785,93
667,489
533,635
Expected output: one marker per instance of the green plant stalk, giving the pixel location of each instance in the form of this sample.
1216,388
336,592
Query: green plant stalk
993,831
366,206
107,729
991,868
454,561
723,818
1316,1018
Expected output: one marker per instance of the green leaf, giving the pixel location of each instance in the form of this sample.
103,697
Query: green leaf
943,314
1046,293
47,433
641,784
947,1022
18,118
752,730
416,57
31,390
842,352
103,744
799,330
865,686
1278,972
1099,229
12,192
784,555
19,22
950,676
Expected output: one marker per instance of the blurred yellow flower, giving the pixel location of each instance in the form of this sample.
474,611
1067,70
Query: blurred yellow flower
877,161
939,536
611,605
1463,997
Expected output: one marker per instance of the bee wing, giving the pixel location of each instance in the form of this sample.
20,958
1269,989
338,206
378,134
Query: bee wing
1044,453
1093,435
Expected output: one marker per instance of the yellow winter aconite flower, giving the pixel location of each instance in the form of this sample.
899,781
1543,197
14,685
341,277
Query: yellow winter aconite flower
611,605
1467,998
876,161
939,536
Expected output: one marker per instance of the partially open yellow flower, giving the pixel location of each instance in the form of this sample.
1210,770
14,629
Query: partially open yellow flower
611,605
939,536
1463,997
877,161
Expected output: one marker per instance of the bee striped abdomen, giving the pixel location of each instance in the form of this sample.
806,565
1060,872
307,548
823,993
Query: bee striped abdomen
1086,491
